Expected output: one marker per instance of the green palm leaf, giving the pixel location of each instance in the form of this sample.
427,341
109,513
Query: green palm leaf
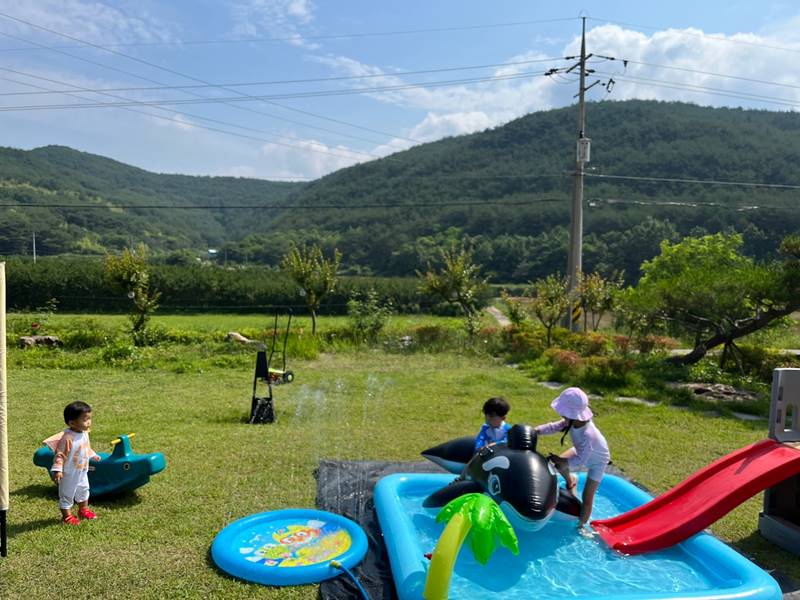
487,524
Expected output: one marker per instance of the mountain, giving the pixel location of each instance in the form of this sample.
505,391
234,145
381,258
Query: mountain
56,175
506,190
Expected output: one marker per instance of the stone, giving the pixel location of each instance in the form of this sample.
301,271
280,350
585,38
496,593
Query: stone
30,341
717,392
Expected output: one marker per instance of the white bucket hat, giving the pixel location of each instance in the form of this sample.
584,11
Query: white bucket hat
572,403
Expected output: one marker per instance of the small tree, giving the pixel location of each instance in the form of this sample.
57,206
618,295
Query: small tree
314,274
549,301
705,288
516,311
457,282
597,296
367,314
129,273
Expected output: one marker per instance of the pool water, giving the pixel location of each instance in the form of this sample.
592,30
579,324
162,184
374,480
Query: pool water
556,562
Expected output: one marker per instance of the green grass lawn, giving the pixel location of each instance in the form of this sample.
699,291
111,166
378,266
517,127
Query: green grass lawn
155,542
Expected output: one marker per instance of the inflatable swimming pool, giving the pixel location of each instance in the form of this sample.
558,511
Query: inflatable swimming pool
288,547
555,562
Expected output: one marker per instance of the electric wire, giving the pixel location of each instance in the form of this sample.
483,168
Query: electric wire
688,87
109,206
698,35
319,37
92,62
195,125
261,98
192,78
295,81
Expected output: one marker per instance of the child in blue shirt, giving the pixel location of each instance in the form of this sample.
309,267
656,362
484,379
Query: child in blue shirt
495,429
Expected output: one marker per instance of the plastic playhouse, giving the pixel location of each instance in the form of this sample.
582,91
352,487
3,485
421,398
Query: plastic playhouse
780,520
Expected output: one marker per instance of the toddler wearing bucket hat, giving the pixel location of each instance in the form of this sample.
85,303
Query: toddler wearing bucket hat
589,447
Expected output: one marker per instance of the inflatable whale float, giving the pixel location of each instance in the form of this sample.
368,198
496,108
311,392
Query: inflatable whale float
119,471
523,482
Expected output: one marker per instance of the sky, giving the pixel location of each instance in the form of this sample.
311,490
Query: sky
296,89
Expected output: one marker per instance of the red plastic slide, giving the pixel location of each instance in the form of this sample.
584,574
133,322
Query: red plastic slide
704,497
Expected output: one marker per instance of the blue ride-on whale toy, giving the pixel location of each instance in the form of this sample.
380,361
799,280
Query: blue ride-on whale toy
121,470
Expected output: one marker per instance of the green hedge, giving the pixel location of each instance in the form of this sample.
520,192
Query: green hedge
79,285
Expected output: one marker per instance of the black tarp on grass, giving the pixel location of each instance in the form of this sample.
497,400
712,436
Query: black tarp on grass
345,488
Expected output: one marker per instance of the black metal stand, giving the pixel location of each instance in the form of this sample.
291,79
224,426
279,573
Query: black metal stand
3,534
262,409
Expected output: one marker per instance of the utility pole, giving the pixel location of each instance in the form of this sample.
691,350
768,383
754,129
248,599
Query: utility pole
574,262
34,247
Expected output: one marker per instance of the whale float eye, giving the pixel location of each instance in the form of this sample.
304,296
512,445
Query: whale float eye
494,485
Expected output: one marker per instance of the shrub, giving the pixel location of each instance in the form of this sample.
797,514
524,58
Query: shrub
761,362
655,343
118,353
608,371
622,344
183,336
566,364
592,344
368,315
523,344
434,337
81,339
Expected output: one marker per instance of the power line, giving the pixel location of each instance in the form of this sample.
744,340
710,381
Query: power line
320,37
293,81
710,73
696,181
496,202
687,87
698,35
92,62
262,98
195,125
596,202
197,80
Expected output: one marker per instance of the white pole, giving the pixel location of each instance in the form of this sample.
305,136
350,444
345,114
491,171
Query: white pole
3,417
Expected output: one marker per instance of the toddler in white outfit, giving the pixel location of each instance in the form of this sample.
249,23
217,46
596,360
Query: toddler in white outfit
71,462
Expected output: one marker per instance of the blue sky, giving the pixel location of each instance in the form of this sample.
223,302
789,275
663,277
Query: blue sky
732,53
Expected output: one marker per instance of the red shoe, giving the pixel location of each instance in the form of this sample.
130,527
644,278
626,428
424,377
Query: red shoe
71,520
85,513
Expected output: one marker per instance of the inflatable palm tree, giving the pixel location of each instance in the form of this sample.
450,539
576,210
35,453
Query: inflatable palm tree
475,513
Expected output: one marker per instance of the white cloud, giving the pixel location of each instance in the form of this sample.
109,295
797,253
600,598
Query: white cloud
435,126
694,57
278,18
239,171
94,22
679,62
306,158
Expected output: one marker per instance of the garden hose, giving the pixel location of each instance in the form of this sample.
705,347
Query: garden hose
336,564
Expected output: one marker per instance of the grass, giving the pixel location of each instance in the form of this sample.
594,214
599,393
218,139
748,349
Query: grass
350,405
154,543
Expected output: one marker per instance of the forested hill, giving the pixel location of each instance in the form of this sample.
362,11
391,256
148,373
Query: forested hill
56,175
507,189
530,160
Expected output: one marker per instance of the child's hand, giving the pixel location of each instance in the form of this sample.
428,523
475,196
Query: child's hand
57,476
586,532
96,457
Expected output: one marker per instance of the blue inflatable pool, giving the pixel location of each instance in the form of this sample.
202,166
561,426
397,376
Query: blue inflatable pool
288,547
556,562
